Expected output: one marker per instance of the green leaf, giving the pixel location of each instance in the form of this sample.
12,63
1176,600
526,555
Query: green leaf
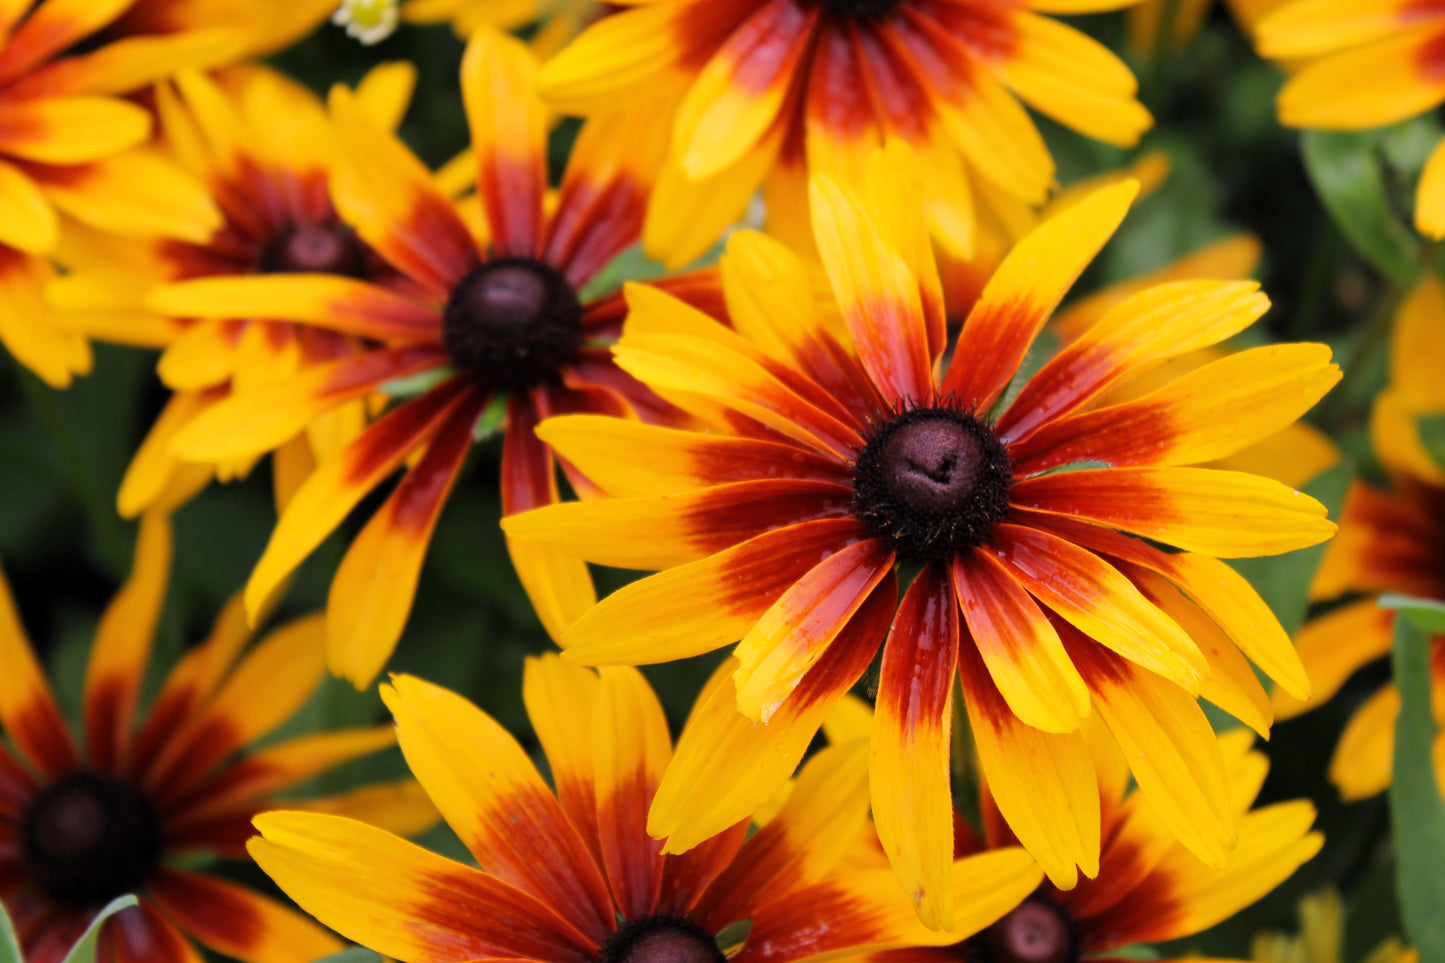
1427,614
84,949
1417,811
1432,436
1346,170
9,944
356,954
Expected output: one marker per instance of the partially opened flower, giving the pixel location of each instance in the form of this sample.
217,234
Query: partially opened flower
572,876
837,453
1149,888
1392,539
495,326
1364,64
762,92
154,795
264,149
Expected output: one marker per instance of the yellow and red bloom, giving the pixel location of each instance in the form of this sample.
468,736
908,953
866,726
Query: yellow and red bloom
573,877
1149,888
1391,540
763,92
1364,64
264,149
496,320
154,793
837,452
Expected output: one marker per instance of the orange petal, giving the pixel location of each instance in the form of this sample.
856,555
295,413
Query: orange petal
28,709
236,921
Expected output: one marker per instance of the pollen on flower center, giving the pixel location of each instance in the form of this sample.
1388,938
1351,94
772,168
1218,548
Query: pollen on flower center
512,323
314,248
932,481
89,838
661,939
1036,931
860,9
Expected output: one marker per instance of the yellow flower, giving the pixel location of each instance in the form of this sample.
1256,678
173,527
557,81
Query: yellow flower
1391,540
1322,936
572,876
1364,64
839,445
765,92
264,149
154,793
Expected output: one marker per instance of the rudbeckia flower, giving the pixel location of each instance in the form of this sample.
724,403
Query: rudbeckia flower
838,456
264,149
1391,540
1364,64
574,877
1321,937
155,794
763,92
1149,888
497,327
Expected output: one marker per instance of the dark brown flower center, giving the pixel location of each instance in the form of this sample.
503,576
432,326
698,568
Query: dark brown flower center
1036,931
512,323
860,9
661,939
315,249
932,481
89,838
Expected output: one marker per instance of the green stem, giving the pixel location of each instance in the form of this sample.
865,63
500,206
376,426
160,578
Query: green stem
109,531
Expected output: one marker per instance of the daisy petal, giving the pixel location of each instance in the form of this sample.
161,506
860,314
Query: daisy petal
698,607
1018,645
397,898
557,694
1333,646
137,935
372,592
1379,83
1364,757
1024,291
1043,783
1093,596
721,747
324,300
909,776
1222,513
27,221
796,631
138,192
28,710
236,921
71,130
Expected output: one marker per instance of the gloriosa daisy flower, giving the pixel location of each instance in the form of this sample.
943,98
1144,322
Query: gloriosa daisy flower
762,92
155,793
496,321
1391,540
574,877
837,452
1365,64
264,149
1149,888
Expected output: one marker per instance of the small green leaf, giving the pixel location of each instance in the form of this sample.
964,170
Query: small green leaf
1417,811
491,419
734,934
417,383
1432,436
1346,170
84,949
9,944
356,954
1427,614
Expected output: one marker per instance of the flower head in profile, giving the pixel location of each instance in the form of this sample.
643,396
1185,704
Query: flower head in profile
493,325
1363,64
264,149
764,92
1392,539
154,794
837,457
572,876
1149,888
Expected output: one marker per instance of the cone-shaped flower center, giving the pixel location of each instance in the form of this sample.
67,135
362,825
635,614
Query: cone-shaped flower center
1036,931
90,838
315,249
859,9
512,323
661,939
932,481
